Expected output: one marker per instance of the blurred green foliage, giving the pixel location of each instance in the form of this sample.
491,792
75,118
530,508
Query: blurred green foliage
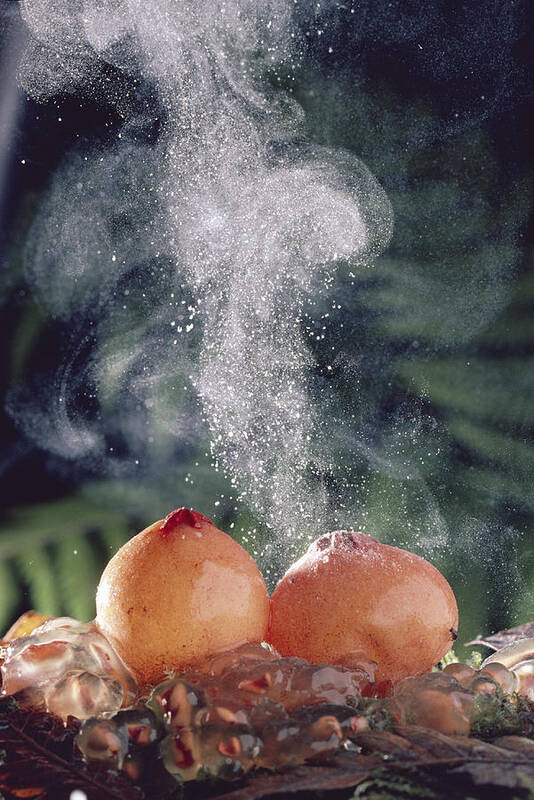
52,554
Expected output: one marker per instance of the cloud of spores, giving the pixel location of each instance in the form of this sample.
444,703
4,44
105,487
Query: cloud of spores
194,251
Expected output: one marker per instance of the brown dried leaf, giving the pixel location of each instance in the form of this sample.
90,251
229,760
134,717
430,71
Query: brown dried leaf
346,771
41,763
491,765
39,760
502,775
519,744
436,748
433,745
386,743
421,751
503,638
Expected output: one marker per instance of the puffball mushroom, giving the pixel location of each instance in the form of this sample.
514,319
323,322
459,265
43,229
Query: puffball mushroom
351,593
177,592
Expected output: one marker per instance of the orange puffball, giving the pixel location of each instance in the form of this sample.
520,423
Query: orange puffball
351,593
178,591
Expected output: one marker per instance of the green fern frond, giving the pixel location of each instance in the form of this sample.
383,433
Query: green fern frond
77,575
142,501
113,537
52,554
497,390
37,570
25,336
498,485
9,595
47,523
515,455
515,327
419,324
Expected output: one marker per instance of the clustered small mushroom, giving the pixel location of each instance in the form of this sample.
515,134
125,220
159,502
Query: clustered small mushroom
518,658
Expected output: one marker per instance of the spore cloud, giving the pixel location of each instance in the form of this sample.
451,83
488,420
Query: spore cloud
190,249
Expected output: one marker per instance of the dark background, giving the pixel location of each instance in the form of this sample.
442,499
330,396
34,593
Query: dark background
438,102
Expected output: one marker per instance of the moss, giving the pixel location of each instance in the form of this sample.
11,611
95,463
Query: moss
378,716
475,659
500,715
448,658
387,785
7,705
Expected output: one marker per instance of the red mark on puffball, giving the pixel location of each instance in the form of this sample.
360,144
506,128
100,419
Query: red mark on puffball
183,516
344,540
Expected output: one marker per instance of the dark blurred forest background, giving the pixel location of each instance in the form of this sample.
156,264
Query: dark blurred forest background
437,99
